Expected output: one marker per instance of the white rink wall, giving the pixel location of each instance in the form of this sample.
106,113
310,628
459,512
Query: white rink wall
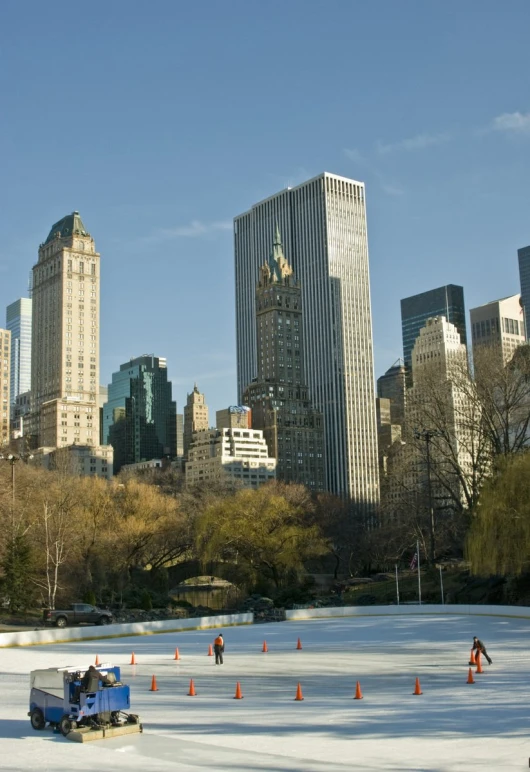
522,612
56,635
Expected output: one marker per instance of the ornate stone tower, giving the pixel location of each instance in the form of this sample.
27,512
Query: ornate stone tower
279,398
65,337
195,417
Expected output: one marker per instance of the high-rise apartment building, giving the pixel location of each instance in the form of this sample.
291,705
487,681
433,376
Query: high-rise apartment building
523,255
195,417
65,337
140,416
447,301
500,325
439,374
18,321
279,398
5,385
323,222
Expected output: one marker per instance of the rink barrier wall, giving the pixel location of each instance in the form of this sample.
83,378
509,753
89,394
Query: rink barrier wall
303,614
69,634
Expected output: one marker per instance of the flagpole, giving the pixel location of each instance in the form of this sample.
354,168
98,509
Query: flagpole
419,573
441,585
397,585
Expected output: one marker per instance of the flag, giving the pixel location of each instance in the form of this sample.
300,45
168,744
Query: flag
414,562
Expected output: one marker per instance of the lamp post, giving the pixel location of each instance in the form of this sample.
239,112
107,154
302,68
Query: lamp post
427,435
12,459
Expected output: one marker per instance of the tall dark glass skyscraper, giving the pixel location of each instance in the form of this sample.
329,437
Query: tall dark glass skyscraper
139,419
524,273
445,301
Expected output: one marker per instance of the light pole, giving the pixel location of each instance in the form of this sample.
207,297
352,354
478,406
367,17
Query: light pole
427,435
12,459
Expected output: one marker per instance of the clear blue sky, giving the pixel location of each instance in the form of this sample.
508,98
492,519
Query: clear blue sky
159,121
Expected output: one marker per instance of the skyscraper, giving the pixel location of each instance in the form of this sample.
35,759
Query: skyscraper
5,380
65,337
323,222
140,416
499,324
523,255
447,301
448,434
195,417
18,321
279,398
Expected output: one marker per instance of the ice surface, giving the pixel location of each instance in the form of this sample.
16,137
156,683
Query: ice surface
452,727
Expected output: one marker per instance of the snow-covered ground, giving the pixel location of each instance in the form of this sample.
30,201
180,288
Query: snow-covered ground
452,727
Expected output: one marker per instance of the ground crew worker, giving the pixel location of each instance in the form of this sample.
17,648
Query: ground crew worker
219,647
479,646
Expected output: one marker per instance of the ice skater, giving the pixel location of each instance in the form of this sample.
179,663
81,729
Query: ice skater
219,647
479,646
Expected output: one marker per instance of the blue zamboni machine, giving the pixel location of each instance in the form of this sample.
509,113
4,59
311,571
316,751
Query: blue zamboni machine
82,708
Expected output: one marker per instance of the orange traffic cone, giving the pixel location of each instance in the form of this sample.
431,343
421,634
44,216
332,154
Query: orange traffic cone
472,660
210,651
177,655
265,649
470,679
299,697
133,659
479,663
299,644
97,660
191,692
417,688
154,687
358,693
238,695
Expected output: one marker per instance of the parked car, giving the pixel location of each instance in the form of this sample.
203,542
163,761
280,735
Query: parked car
80,613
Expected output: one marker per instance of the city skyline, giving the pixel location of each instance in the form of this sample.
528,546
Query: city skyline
445,168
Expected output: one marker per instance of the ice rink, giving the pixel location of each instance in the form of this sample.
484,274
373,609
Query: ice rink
452,727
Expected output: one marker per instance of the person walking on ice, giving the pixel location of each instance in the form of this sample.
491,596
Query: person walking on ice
219,647
479,646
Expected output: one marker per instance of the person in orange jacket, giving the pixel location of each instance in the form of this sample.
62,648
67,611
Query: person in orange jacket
219,647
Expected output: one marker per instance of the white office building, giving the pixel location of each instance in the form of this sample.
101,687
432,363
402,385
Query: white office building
18,322
323,223
237,454
500,324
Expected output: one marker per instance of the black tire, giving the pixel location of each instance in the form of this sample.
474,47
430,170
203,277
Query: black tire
104,621
133,719
60,622
66,725
37,719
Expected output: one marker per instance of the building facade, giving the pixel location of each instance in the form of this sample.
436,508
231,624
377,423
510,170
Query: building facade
65,337
195,417
393,386
325,235
229,454
523,256
447,301
442,412
234,417
279,397
140,416
180,435
18,321
81,460
5,385
499,325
